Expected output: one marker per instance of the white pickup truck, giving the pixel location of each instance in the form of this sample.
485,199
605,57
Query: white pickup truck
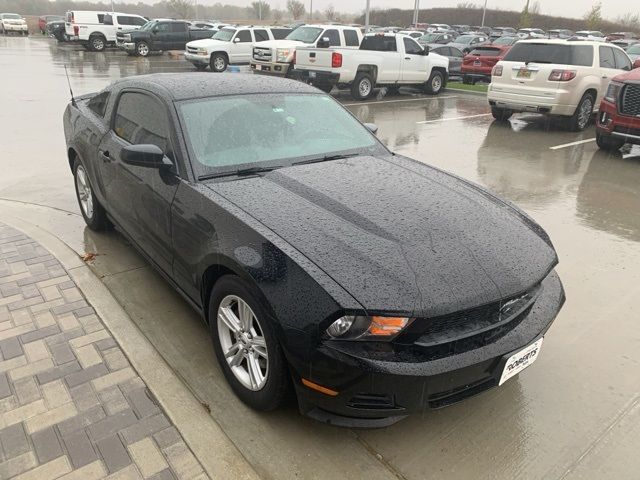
383,59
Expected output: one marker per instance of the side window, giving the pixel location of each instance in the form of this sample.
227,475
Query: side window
351,38
178,27
106,19
411,47
142,119
244,35
122,20
280,33
163,27
607,59
261,35
622,61
139,21
333,36
101,18
98,104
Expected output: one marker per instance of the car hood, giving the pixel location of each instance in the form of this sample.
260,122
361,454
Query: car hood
208,43
279,44
398,235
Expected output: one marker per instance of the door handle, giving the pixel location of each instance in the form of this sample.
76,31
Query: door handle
105,155
407,58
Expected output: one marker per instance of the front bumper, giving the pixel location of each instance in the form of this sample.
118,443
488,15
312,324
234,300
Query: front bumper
552,102
195,58
610,122
377,387
127,46
270,68
15,28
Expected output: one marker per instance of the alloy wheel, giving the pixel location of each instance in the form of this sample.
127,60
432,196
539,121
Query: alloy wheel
243,343
97,44
84,191
218,62
436,83
143,49
364,87
586,108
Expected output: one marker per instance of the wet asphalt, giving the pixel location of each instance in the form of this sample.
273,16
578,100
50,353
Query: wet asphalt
574,415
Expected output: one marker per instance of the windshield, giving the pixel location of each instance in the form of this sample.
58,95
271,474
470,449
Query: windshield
551,53
429,37
227,133
148,25
464,39
12,16
305,34
634,49
225,35
504,41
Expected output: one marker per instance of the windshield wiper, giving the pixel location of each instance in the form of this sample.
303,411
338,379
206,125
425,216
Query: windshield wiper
240,172
326,158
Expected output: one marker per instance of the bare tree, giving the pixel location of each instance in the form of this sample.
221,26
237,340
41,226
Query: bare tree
467,4
180,8
260,9
277,15
629,21
593,17
534,9
296,9
330,13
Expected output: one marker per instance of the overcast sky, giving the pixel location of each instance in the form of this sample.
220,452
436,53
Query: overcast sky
566,8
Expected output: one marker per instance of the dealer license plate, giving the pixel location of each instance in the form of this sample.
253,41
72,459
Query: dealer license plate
477,63
312,74
524,73
258,67
520,360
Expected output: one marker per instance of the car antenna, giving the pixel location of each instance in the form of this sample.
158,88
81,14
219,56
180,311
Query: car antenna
73,100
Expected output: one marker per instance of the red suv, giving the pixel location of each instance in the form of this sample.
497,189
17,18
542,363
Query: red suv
478,64
619,117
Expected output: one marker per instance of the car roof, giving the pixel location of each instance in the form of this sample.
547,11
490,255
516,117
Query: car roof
186,86
560,41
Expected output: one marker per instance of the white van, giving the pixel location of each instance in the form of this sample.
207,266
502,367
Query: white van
96,30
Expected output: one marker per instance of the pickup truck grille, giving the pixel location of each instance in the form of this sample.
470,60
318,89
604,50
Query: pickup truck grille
262,54
193,50
630,104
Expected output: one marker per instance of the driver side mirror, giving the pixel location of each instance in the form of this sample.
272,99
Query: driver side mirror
145,155
155,29
372,127
426,50
236,40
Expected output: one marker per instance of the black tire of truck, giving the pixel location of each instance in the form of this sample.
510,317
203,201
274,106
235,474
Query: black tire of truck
143,49
97,43
435,84
362,86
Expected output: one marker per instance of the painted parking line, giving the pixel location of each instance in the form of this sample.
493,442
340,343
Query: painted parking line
455,118
579,142
399,100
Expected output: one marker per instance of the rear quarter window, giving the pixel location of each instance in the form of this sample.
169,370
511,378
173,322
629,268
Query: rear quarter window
351,38
575,55
379,43
98,103
280,33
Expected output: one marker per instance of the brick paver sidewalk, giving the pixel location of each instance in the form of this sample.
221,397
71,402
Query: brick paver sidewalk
71,406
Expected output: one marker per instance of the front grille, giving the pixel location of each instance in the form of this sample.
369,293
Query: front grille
193,50
262,54
459,332
375,401
630,104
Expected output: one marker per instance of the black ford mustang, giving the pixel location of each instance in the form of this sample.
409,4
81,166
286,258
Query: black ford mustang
373,284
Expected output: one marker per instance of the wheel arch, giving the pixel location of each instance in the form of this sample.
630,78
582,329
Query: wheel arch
226,54
370,69
97,34
72,155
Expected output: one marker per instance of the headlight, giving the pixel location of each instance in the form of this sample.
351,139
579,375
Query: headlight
127,37
613,92
283,54
360,327
202,51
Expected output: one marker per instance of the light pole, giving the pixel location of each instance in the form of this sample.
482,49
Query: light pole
484,12
310,11
366,17
416,8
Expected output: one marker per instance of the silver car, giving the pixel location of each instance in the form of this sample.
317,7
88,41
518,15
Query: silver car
454,55
466,43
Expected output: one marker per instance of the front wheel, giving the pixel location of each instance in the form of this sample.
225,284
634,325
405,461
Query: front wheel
582,116
435,84
246,345
142,49
608,143
93,213
218,62
362,86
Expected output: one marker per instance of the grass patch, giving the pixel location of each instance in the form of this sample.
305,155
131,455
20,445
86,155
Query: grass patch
478,87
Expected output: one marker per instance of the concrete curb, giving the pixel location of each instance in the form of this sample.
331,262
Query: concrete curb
216,452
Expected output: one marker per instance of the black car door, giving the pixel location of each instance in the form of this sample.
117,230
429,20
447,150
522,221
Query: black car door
139,198
161,36
179,33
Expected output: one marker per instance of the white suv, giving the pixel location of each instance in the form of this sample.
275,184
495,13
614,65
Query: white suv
96,30
12,22
230,45
555,77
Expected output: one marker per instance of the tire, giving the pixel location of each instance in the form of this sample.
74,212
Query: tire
92,211
435,84
362,86
201,67
218,62
608,143
582,116
142,49
97,43
260,393
501,114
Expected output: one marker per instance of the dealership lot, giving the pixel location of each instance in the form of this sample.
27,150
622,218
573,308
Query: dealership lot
574,415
